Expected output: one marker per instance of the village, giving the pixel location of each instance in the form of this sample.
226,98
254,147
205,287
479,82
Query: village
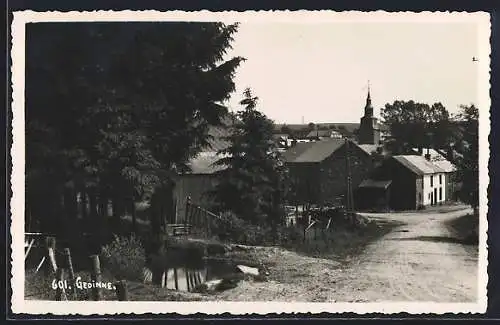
171,194
329,162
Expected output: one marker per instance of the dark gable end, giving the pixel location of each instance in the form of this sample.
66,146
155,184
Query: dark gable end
319,170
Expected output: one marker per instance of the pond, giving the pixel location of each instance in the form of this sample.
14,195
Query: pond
182,270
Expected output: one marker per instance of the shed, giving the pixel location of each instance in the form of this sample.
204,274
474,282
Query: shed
415,182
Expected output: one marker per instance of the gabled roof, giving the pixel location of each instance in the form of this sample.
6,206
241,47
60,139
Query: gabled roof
438,159
368,148
218,141
204,163
316,151
294,152
418,164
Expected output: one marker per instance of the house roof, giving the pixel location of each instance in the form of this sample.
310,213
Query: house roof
294,152
368,148
322,133
204,163
438,159
218,141
418,164
375,184
349,127
313,151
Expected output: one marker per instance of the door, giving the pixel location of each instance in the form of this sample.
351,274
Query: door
435,195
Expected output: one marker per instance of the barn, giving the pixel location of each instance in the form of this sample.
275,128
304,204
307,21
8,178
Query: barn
201,178
318,171
404,182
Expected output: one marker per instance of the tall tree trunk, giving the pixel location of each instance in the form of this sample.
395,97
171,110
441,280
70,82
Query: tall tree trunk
118,211
134,215
103,203
155,215
70,215
94,225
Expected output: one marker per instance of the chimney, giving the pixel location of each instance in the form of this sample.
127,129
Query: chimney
428,155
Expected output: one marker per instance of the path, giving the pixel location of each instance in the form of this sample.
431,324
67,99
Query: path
417,261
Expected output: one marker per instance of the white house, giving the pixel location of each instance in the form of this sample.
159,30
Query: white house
434,188
436,158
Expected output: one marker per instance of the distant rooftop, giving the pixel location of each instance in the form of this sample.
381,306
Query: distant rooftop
324,134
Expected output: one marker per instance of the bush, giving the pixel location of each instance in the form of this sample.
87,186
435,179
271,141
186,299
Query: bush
232,228
125,258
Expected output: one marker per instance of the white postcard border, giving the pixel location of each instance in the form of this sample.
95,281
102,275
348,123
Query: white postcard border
20,305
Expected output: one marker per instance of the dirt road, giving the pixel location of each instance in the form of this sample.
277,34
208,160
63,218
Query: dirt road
418,261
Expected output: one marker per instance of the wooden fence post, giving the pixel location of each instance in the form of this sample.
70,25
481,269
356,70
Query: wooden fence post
176,281
60,294
121,290
69,265
96,276
187,280
50,256
186,217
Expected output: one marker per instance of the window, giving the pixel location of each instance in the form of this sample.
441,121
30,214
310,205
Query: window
432,181
440,194
440,179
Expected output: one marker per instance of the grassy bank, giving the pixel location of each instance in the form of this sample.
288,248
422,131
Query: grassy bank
465,228
340,243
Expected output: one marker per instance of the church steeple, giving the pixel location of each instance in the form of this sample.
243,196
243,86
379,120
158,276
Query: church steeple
368,132
368,106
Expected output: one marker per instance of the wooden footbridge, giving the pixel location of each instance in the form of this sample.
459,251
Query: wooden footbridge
197,221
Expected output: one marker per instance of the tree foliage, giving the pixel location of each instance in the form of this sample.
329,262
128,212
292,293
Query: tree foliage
468,158
251,185
413,124
113,110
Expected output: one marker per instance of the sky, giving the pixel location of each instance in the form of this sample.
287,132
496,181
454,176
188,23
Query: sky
319,72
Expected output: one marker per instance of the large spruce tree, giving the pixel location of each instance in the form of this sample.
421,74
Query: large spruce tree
113,110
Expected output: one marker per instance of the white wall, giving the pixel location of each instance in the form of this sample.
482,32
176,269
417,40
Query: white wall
428,189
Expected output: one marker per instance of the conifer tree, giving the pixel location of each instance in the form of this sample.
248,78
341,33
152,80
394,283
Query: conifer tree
251,185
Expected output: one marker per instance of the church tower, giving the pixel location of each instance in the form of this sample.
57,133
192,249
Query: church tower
369,132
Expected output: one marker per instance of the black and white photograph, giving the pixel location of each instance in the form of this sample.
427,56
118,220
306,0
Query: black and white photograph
286,161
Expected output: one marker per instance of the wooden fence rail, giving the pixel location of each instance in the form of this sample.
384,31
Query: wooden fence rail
198,220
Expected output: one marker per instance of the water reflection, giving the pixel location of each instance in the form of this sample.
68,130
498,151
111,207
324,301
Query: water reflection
187,277
183,279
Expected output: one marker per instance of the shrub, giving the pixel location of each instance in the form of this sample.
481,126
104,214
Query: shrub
125,258
232,228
